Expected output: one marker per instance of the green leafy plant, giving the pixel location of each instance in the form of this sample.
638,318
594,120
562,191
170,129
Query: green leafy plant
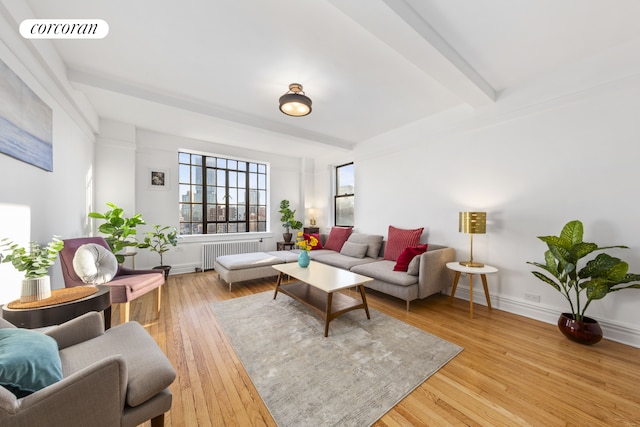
288,217
34,261
160,240
120,231
598,278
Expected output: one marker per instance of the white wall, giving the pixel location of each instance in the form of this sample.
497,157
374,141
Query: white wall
46,203
158,151
533,166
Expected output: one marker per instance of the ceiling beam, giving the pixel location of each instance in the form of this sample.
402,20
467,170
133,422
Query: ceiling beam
206,109
397,24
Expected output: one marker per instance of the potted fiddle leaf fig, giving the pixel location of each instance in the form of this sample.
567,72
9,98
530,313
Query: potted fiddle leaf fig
35,262
160,241
288,220
120,230
581,282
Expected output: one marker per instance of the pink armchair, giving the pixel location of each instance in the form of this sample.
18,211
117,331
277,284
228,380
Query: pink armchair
127,284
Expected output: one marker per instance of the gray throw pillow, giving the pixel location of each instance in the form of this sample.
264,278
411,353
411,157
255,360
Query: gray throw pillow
374,243
414,266
95,264
354,250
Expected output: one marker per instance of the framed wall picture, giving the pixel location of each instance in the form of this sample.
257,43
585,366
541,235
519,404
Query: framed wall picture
26,122
158,179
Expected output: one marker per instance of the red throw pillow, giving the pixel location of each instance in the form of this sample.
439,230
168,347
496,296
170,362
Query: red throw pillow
399,239
337,237
407,255
317,236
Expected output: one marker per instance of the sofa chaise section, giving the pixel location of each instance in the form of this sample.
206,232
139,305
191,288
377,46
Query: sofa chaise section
249,266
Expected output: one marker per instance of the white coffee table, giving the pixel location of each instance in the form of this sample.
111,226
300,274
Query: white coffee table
482,271
317,288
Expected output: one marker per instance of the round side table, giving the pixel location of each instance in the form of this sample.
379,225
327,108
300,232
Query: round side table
55,314
482,271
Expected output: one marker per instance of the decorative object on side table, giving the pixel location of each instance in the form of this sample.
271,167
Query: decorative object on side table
599,277
306,245
472,223
160,241
288,220
35,263
120,231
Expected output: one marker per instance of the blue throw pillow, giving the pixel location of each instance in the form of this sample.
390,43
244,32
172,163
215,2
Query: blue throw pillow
29,361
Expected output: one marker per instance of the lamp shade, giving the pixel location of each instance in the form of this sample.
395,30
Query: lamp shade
295,103
472,222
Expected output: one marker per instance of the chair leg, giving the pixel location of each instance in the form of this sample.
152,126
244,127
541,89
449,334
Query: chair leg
158,298
124,312
157,421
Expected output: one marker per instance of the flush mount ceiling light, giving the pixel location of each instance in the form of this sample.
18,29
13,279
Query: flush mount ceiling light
295,102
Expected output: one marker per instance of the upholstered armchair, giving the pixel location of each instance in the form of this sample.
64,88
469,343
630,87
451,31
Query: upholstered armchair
101,379
126,285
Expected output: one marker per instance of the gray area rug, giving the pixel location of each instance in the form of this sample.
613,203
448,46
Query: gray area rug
351,378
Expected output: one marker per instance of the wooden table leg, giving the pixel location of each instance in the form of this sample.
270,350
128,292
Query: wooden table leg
486,290
455,285
364,300
278,284
470,295
107,317
328,316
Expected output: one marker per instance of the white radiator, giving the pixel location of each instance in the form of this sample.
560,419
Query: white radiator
211,251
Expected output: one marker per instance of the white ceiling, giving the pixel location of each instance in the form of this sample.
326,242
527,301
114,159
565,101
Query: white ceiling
214,69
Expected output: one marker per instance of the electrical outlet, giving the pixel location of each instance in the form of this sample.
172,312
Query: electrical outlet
532,297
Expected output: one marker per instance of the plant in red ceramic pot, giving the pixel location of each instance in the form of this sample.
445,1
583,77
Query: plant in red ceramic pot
581,285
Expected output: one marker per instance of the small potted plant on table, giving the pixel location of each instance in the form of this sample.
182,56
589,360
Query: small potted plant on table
160,241
35,262
288,220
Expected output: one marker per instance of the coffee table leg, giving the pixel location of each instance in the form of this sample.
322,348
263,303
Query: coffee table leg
278,285
328,316
364,300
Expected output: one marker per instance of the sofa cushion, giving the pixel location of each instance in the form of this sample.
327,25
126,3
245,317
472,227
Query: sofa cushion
337,237
355,250
342,261
286,256
409,253
398,239
374,242
414,266
249,260
307,236
29,361
383,270
319,253
95,264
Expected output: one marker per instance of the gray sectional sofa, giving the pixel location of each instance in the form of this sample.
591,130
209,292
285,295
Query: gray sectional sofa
362,254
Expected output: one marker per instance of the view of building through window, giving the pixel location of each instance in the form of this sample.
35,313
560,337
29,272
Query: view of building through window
344,198
219,195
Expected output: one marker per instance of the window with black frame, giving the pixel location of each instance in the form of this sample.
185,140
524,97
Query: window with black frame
344,197
220,195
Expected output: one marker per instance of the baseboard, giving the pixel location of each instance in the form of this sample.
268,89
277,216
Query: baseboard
614,331
185,268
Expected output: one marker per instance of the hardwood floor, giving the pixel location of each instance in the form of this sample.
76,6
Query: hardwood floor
513,371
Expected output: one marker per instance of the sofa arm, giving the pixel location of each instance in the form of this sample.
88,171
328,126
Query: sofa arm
80,329
434,276
92,396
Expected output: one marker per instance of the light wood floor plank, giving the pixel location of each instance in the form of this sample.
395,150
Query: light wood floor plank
513,371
